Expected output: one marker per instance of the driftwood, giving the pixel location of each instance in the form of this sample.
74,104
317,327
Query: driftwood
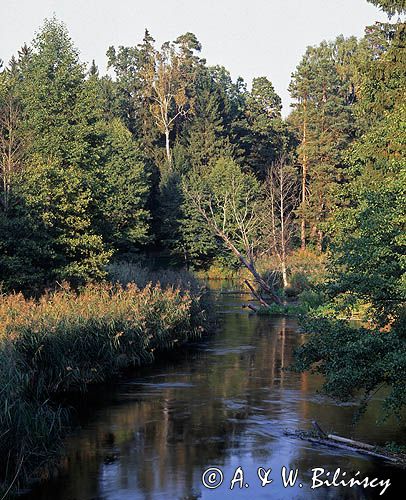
351,442
250,306
334,441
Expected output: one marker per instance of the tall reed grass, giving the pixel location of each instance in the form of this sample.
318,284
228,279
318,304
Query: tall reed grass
67,340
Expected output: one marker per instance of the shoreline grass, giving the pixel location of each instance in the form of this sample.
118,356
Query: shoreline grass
66,341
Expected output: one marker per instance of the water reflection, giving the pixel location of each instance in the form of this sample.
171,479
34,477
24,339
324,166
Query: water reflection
225,404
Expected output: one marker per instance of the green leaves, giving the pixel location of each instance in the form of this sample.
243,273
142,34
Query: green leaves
368,248
355,359
391,7
225,200
58,197
83,186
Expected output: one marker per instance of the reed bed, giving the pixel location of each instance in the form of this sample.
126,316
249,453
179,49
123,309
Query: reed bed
67,340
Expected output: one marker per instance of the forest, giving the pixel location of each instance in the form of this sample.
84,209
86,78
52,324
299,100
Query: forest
168,159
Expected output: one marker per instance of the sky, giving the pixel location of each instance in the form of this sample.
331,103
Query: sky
250,38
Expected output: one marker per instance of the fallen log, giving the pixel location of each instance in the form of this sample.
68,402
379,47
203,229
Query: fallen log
334,441
351,442
250,306
334,444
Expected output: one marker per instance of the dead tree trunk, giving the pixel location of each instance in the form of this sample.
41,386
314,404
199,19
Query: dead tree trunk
304,177
251,268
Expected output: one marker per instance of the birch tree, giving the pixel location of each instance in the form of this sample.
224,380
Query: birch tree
166,83
10,146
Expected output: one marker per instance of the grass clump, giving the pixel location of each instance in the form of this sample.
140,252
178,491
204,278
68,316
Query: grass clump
67,340
281,310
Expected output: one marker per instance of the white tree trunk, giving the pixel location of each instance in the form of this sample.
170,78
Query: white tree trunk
168,149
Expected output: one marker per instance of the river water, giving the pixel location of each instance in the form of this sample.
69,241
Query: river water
223,403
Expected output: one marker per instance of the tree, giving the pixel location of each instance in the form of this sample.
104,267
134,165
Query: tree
322,118
51,87
391,7
227,200
265,138
367,232
125,186
57,196
368,265
11,147
206,133
166,79
280,203
129,63
378,73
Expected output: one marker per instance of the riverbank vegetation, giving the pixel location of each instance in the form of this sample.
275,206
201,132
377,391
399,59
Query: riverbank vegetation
66,341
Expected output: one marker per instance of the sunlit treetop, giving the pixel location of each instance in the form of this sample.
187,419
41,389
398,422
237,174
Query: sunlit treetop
391,7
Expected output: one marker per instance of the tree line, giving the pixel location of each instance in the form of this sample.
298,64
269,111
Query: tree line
172,154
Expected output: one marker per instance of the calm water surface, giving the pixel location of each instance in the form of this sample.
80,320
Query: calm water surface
224,403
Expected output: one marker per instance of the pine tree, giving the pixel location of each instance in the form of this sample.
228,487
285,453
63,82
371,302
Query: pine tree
322,118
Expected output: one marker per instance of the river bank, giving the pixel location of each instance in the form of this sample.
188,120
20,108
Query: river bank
224,402
66,341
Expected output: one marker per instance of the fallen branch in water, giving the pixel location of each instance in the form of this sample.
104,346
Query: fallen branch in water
256,294
334,441
250,306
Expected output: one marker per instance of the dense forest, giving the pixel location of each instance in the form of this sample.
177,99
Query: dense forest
169,156
96,168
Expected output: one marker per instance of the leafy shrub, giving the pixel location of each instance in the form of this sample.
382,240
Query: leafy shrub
353,359
281,310
311,299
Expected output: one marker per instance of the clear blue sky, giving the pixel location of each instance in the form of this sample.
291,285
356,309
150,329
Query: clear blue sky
250,38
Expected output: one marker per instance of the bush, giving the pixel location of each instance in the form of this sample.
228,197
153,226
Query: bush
281,310
311,299
355,359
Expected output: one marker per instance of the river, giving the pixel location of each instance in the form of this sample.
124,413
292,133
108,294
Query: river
223,403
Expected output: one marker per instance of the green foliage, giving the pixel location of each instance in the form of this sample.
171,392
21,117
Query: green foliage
124,189
311,299
368,256
282,310
218,201
51,86
378,73
57,197
391,7
369,247
266,138
207,135
356,359
324,124
79,183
